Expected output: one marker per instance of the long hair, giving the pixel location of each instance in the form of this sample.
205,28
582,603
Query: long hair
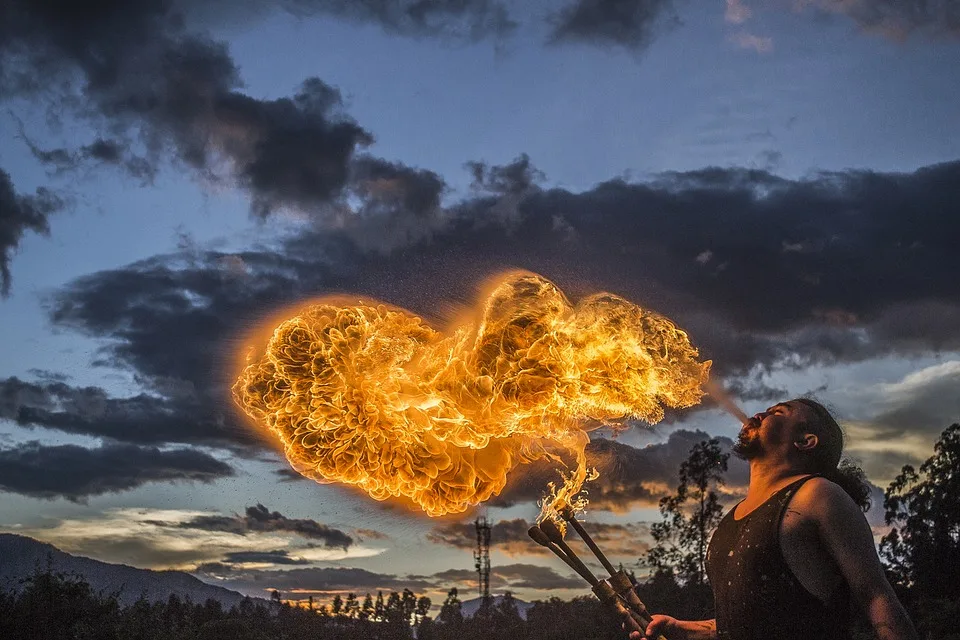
826,459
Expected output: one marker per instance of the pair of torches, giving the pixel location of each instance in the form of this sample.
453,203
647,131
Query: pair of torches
616,593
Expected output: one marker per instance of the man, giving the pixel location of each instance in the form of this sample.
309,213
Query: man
787,562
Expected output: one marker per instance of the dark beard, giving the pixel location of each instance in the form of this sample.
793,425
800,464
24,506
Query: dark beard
746,448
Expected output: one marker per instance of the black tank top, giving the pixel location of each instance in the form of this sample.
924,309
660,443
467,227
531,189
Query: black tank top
757,596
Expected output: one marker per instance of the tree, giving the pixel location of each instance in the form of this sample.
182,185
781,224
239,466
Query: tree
451,614
379,610
366,610
689,519
422,611
505,620
408,605
351,607
336,607
922,549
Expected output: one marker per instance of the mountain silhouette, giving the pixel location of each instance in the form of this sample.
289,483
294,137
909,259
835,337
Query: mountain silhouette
21,557
470,607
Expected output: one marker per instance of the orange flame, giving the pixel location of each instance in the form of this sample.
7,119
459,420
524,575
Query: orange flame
371,396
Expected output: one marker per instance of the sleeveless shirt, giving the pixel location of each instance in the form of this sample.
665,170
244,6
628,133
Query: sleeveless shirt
757,596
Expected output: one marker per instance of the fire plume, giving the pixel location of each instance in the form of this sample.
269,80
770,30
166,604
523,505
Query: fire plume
371,396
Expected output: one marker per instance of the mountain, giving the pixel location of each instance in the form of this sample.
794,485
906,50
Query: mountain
20,557
470,607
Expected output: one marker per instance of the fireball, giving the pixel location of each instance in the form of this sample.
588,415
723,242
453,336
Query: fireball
372,396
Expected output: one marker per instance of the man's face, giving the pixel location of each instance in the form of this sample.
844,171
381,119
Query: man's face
772,430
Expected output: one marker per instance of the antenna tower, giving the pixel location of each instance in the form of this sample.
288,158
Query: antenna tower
482,556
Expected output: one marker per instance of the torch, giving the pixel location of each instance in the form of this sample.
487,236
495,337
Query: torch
547,534
619,580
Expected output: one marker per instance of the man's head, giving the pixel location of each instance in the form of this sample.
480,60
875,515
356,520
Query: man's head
800,432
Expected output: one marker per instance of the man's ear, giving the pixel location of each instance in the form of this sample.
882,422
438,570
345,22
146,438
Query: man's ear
806,442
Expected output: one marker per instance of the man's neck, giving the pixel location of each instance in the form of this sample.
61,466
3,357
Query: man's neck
768,477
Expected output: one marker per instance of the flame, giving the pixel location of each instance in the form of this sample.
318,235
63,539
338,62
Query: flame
371,396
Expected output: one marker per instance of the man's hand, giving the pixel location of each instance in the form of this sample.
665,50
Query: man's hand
674,629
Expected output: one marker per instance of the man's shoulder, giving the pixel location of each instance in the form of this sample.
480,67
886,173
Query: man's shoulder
821,499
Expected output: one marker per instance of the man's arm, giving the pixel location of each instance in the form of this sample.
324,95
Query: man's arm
847,537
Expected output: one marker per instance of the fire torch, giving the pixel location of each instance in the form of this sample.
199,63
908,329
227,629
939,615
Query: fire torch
617,593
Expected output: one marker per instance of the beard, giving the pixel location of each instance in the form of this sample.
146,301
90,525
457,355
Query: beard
747,446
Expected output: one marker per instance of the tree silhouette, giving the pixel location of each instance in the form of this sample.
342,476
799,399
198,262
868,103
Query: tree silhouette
451,615
922,549
366,609
689,519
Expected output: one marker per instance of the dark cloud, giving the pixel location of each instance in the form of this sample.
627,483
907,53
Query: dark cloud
135,70
262,557
99,152
371,534
469,20
925,402
629,476
259,518
909,414
76,473
511,576
510,537
326,579
530,576
516,178
19,214
289,475
631,24
140,419
396,205
898,19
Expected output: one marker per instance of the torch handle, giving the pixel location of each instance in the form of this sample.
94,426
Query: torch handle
591,544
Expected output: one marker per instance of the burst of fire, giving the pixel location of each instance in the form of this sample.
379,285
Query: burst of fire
371,396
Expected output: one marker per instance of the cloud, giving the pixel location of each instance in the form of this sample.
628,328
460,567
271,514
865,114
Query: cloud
396,205
280,556
530,576
469,20
630,477
510,537
19,214
510,577
907,416
737,12
140,419
259,519
76,473
898,19
630,24
156,539
925,400
311,580
746,40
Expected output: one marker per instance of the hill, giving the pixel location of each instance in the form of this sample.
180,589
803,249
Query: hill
21,556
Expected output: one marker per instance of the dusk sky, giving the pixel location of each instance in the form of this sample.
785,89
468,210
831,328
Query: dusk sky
781,178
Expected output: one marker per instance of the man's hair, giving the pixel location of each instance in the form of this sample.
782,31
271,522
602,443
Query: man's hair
825,458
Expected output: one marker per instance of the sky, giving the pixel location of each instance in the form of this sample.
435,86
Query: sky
780,178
